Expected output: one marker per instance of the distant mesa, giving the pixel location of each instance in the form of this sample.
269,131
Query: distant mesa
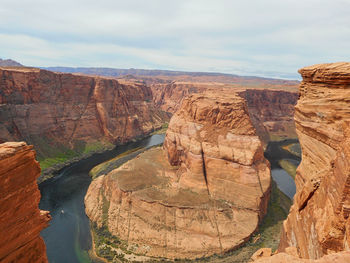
9,63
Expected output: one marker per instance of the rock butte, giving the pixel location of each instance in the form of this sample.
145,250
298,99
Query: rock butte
318,223
203,193
20,218
56,110
271,111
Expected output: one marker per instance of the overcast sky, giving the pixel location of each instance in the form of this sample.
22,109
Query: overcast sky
272,38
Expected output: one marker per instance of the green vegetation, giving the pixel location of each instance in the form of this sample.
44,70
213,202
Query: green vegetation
293,148
111,164
289,167
162,129
105,242
50,153
107,245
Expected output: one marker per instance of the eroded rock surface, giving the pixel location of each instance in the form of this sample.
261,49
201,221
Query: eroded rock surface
56,111
271,110
318,221
204,193
318,225
20,218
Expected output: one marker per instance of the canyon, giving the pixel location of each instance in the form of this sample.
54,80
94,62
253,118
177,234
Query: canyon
70,116
271,110
204,192
20,218
65,115
178,201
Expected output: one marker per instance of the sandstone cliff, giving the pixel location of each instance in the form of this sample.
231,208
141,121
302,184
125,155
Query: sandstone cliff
58,113
20,218
318,223
271,110
204,193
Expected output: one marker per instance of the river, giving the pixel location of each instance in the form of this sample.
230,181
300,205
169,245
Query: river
275,153
68,238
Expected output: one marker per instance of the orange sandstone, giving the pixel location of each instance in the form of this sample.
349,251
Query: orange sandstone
20,218
204,193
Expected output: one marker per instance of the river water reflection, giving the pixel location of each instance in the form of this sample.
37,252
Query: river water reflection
275,153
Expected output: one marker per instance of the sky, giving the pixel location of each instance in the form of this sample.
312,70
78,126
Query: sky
270,38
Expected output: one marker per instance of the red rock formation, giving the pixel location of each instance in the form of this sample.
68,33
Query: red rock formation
318,223
209,201
271,111
52,110
215,132
20,219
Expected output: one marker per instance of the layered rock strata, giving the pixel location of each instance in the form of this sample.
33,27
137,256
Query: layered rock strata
318,223
20,218
56,111
204,193
271,111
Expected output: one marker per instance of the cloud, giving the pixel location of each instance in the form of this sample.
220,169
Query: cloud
268,38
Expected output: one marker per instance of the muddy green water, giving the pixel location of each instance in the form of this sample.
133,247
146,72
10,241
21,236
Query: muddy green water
68,238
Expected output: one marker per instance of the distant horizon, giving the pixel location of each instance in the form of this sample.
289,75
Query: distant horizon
158,69
271,38
184,71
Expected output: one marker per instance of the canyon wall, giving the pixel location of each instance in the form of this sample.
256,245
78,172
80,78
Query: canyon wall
20,218
271,111
59,112
318,221
318,225
203,193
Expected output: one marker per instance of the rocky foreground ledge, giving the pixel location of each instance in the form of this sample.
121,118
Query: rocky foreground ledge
20,218
318,225
203,193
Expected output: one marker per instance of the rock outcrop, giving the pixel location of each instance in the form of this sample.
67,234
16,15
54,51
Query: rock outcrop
20,218
271,110
318,225
59,112
318,221
203,193
9,63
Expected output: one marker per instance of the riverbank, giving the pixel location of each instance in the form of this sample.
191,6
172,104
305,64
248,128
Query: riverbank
68,236
50,167
268,234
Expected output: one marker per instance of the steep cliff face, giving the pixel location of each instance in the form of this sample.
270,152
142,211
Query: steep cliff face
20,218
271,111
211,133
204,193
318,223
56,112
